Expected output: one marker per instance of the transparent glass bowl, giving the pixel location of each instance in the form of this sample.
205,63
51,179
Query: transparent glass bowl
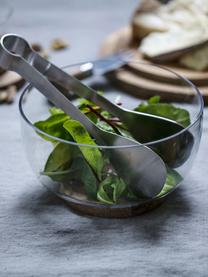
73,182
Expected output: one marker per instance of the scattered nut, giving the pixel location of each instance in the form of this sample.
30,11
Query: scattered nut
58,44
3,96
7,95
37,47
11,93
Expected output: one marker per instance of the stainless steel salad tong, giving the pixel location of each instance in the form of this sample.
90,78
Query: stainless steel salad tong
140,167
145,128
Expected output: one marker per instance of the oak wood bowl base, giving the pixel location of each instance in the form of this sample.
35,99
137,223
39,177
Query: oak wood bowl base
109,211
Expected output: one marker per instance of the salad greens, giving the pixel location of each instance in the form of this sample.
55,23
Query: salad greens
153,106
111,189
54,126
87,169
60,159
92,155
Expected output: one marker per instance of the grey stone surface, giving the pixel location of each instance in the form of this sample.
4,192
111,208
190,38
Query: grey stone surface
39,235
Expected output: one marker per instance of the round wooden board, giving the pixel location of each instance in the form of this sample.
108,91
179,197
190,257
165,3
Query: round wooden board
145,81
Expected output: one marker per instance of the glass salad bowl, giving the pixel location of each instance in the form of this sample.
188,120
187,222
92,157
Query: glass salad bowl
68,161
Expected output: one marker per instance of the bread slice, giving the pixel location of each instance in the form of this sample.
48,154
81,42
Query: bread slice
196,60
158,44
177,27
145,20
145,24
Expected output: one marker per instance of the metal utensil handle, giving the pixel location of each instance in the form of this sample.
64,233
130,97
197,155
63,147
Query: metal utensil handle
16,55
33,76
69,82
11,59
15,44
55,74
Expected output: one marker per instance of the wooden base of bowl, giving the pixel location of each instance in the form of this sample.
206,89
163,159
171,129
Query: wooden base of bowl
111,211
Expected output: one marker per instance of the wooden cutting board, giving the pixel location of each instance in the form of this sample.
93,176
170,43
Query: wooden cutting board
146,81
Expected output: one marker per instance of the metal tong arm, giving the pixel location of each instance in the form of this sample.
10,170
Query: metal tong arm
70,83
16,55
56,75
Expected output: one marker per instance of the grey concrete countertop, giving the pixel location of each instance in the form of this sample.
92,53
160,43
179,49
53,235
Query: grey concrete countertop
39,235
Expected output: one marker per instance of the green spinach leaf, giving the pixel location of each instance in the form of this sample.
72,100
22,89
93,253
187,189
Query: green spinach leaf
60,158
152,106
173,178
78,171
54,110
54,126
111,189
92,154
104,126
82,171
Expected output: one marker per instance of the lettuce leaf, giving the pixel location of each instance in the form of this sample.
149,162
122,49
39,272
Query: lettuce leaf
153,106
111,189
60,158
173,178
53,126
78,171
92,154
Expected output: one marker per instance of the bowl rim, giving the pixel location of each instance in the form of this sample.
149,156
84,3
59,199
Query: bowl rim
27,87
